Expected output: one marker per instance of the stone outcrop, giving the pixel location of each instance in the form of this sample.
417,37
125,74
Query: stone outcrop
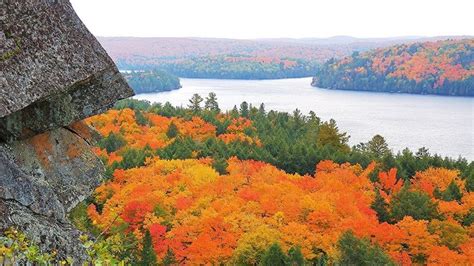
52,69
43,178
53,72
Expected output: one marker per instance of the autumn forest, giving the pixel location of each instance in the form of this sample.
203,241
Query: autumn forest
240,133
442,67
257,186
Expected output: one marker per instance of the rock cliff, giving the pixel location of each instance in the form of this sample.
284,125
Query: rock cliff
53,72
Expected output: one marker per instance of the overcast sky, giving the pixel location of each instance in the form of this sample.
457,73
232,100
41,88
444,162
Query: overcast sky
276,18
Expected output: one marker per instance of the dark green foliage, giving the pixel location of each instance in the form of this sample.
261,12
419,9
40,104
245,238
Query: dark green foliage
148,257
78,216
452,192
141,119
321,260
211,103
181,148
220,165
234,112
377,147
470,180
140,105
151,81
296,143
134,158
416,204
112,142
380,206
169,258
195,103
468,218
218,67
356,251
329,135
274,256
172,131
295,257
244,109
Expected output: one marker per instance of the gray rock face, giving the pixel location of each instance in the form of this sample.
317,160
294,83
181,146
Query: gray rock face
52,69
53,72
43,178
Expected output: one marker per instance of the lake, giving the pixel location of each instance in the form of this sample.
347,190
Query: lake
442,124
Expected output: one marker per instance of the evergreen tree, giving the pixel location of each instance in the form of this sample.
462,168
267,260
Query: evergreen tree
356,251
172,131
378,146
470,181
329,135
234,113
112,142
244,109
274,256
134,157
220,164
195,103
261,109
169,258
211,103
452,192
416,204
380,207
141,119
295,257
148,253
168,110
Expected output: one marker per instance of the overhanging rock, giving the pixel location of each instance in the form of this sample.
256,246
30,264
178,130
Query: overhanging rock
52,69
52,72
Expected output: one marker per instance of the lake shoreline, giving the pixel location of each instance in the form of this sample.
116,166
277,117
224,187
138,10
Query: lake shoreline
441,124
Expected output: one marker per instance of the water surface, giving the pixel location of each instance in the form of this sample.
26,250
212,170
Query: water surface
442,124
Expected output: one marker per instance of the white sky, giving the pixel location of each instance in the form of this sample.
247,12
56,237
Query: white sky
276,18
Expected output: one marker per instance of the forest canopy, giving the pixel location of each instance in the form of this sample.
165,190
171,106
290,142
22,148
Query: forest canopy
441,67
270,188
232,67
146,81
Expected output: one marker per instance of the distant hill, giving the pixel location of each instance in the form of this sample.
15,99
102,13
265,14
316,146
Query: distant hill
237,59
435,67
151,81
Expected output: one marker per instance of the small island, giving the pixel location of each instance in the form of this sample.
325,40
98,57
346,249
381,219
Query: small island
151,81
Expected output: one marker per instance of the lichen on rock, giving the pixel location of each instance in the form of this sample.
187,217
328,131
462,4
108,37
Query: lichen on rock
53,72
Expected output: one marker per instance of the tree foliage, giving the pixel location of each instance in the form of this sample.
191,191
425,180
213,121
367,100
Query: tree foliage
261,186
441,67
151,81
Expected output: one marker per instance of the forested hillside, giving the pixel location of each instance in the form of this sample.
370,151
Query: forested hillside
228,58
146,81
442,67
263,187
231,67
238,59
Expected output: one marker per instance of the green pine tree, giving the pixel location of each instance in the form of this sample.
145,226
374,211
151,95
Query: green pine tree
169,258
148,253
416,204
172,131
211,103
380,206
295,256
274,256
356,251
452,192
195,103
244,109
